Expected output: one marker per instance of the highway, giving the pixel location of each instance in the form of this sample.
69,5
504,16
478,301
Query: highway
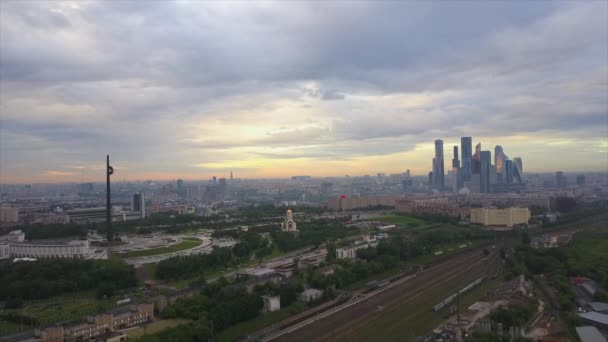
340,320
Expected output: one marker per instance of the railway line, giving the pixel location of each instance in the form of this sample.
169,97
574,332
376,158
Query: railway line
344,318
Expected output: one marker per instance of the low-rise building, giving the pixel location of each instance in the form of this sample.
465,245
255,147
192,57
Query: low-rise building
14,236
508,217
49,250
430,205
271,303
163,300
599,307
589,334
597,319
4,250
257,276
87,215
349,203
100,325
310,295
350,252
9,215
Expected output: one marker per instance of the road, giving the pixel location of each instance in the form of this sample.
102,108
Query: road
343,319
205,248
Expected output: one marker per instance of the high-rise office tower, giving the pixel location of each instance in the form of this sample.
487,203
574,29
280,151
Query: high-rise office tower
455,160
493,178
466,147
138,203
476,160
560,180
499,160
518,170
438,166
580,179
484,171
180,188
456,174
508,172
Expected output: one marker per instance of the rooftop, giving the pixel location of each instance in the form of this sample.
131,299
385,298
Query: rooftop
258,272
599,306
311,291
589,334
595,317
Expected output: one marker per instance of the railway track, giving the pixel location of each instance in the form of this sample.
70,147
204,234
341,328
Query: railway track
329,324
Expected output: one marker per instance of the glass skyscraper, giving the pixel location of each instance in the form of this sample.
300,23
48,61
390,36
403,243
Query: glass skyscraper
518,170
476,160
485,161
508,172
438,167
466,150
499,161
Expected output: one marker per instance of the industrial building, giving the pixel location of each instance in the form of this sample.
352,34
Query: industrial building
508,217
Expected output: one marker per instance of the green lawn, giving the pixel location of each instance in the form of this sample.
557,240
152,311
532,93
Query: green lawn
398,219
151,269
10,327
180,284
259,322
65,308
185,244
155,327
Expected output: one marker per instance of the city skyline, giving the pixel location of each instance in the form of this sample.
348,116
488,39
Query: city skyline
302,93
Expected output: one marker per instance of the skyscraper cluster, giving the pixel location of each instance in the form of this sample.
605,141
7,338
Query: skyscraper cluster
475,171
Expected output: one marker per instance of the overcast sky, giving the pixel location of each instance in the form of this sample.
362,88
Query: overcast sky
195,89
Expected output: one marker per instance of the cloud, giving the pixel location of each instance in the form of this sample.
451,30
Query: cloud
168,85
58,173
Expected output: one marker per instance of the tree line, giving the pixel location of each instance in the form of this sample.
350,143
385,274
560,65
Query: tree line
216,308
185,267
48,278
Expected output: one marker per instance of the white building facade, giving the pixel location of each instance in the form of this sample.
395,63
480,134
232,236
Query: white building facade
4,250
57,250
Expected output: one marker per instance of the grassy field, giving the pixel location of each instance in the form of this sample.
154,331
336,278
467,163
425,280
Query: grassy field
10,327
66,308
257,323
415,318
155,327
185,244
398,219
150,269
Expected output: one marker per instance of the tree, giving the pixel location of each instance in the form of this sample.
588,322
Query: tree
105,290
13,303
525,238
331,251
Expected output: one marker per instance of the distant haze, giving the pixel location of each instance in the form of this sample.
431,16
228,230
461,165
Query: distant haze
195,89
